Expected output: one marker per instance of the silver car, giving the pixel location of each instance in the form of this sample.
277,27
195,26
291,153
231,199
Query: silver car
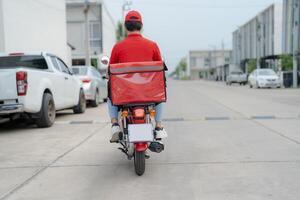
237,77
94,85
264,78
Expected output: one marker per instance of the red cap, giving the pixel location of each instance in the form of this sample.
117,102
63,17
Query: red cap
133,16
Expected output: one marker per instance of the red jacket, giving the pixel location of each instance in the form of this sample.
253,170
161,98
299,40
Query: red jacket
135,48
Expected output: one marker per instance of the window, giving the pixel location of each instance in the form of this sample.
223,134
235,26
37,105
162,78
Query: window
79,71
36,62
207,62
95,36
96,73
227,60
193,62
54,62
63,66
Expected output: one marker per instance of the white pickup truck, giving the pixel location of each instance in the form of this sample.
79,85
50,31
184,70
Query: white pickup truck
36,86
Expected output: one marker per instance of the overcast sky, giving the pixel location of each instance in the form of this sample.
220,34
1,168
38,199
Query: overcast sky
182,25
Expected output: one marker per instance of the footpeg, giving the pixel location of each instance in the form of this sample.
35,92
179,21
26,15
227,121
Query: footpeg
156,147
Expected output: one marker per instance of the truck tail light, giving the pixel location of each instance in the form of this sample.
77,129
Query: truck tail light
86,80
22,84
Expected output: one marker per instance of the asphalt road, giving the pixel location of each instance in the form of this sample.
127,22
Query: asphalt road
225,142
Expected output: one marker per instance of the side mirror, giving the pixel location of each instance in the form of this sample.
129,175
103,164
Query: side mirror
105,60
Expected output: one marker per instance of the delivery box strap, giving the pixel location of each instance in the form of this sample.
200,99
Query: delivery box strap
133,69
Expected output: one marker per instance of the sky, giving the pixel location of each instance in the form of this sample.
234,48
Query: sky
179,26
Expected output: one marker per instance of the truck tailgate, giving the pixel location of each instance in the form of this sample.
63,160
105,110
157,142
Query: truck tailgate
8,87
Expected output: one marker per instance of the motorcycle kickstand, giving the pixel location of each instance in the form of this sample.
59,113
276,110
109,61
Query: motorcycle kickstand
125,152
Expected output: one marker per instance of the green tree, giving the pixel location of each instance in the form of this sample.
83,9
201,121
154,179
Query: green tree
121,32
181,67
286,62
251,65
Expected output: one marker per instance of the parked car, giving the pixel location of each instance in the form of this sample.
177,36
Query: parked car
94,85
264,78
237,77
37,85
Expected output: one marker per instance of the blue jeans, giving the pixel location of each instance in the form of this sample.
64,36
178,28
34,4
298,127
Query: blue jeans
113,111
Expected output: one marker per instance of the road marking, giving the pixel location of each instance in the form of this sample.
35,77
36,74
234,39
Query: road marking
216,118
182,119
173,119
82,122
263,117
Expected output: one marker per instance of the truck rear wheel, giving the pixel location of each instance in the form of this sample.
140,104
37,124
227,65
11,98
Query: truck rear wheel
47,112
81,106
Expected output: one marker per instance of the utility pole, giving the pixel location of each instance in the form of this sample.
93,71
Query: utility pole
125,7
295,43
223,55
87,32
213,57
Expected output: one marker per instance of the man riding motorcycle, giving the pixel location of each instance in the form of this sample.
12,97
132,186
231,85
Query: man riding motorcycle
135,48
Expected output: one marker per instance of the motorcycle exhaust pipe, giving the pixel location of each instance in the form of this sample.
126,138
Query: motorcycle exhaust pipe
156,147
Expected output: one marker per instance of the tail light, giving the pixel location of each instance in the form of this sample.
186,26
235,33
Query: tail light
22,85
86,80
139,113
152,113
125,113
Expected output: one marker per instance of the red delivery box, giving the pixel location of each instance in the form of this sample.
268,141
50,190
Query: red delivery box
137,82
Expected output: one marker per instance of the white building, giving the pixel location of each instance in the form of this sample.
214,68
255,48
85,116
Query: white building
260,37
209,64
102,30
290,17
34,26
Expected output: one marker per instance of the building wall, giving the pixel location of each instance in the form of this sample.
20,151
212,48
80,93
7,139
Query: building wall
76,28
278,29
35,26
2,39
259,37
109,31
205,61
288,23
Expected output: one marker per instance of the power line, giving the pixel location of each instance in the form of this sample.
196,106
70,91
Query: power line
195,5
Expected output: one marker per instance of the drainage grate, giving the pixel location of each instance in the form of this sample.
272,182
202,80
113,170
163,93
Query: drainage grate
81,122
263,117
216,118
173,119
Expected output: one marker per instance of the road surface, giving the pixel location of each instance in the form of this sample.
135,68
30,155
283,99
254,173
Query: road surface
225,142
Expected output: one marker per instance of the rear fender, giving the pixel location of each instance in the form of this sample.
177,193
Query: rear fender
139,147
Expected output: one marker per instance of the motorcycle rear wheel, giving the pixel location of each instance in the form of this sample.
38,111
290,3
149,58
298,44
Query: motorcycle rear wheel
139,162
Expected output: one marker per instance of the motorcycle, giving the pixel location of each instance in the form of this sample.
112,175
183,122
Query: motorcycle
138,134
137,121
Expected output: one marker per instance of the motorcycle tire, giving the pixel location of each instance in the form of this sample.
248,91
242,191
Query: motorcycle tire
139,162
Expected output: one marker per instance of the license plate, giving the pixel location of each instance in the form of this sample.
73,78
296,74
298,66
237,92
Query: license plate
140,133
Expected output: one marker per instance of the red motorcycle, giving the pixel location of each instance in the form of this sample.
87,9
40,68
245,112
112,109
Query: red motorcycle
136,88
138,134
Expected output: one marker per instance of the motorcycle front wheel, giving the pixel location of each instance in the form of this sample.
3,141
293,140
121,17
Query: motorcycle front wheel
139,162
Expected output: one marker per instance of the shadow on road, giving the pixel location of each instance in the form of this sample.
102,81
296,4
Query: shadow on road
19,124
